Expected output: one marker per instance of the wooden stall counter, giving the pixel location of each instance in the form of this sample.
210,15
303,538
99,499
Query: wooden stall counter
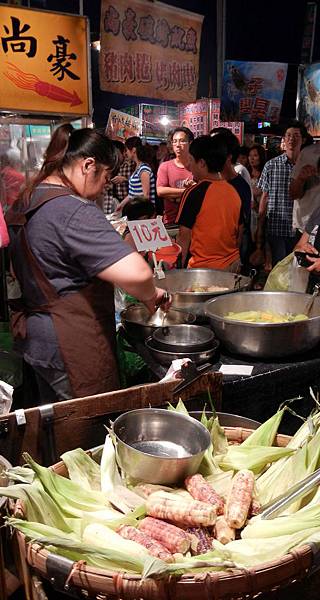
48,431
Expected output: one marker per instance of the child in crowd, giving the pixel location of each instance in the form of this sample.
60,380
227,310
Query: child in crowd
139,208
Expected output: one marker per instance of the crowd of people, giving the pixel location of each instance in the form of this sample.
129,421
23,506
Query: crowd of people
233,209
277,195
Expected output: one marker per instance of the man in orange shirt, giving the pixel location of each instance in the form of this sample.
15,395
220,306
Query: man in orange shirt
210,216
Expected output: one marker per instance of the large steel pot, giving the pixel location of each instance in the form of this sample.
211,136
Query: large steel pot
177,281
138,322
260,340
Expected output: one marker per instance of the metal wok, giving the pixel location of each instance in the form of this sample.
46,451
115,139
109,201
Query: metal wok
262,340
177,281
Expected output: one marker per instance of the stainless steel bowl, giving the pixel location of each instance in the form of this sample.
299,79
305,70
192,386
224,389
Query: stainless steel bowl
183,338
159,446
265,340
138,322
165,357
177,281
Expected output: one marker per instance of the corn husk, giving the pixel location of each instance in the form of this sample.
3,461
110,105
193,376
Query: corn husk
254,458
284,474
266,433
82,469
71,546
74,501
251,552
38,506
305,518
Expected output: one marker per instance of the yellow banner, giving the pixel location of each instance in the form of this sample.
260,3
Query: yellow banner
43,62
149,49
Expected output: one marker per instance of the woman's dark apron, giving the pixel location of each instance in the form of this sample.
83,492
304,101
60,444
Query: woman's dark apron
83,321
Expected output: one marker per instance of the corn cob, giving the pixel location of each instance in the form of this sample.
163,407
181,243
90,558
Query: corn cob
199,489
239,499
156,549
145,489
201,541
170,536
223,533
173,508
255,508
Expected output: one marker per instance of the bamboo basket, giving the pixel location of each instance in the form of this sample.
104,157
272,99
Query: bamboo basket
228,585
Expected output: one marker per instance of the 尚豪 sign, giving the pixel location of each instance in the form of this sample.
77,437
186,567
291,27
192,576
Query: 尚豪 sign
43,62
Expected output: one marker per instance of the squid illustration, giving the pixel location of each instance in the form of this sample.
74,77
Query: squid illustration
29,81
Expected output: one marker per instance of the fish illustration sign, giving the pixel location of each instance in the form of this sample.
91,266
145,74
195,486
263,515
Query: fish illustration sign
43,62
253,91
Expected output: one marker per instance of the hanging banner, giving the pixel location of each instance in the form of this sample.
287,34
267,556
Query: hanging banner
309,98
121,126
309,30
195,116
214,118
149,49
43,62
253,91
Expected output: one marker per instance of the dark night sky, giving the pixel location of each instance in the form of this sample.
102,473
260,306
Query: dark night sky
262,31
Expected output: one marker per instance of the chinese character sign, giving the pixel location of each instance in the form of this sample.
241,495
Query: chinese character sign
253,91
195,116
121,126
309,98
43,62
149,49
149,234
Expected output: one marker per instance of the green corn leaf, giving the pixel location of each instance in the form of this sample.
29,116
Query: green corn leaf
254,458
82,469
266,433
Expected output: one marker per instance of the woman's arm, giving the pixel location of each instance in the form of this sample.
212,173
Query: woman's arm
133,274
145,182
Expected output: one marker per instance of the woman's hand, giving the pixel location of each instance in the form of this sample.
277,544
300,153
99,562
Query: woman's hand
122,204
119,179
160,298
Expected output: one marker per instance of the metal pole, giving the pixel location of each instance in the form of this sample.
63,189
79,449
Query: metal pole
81,7
221,43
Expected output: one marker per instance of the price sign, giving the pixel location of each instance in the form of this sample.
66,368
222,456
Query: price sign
149,234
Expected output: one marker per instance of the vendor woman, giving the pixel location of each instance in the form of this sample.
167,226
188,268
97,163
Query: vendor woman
67,257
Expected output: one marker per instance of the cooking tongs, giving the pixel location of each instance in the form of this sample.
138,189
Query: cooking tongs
190,373
273,508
